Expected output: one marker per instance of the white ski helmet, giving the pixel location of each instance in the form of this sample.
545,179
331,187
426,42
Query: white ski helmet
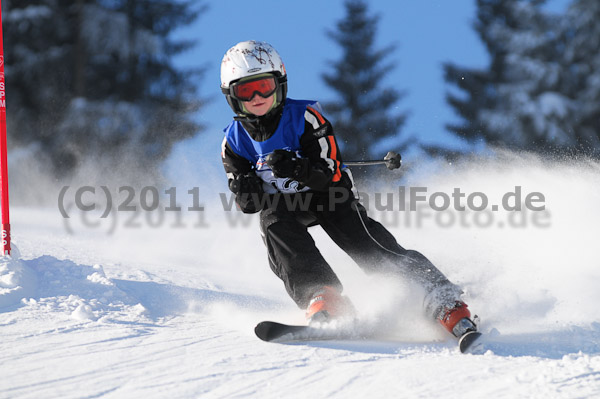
247,59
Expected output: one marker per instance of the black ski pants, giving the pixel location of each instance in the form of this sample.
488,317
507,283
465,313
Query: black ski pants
296,260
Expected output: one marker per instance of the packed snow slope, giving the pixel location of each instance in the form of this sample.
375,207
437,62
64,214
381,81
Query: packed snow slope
133,305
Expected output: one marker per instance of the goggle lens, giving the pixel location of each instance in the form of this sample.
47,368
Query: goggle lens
264,87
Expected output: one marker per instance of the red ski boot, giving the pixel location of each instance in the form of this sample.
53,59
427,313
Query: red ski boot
457,319
328,304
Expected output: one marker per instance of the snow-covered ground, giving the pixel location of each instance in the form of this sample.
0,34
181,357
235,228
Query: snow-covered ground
117,308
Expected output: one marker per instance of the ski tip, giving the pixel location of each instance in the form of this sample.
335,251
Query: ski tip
470,343
262,330
271,330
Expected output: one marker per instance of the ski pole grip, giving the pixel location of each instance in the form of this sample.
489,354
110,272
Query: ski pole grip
393,160
235,185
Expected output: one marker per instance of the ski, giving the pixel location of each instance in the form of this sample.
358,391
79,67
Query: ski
471,343
271,331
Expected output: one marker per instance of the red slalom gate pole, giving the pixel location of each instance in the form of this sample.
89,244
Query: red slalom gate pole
3,158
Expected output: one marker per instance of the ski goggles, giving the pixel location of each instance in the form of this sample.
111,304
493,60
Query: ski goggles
264,86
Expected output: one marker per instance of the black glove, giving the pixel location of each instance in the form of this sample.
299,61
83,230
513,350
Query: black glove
248,192
246,184
286,164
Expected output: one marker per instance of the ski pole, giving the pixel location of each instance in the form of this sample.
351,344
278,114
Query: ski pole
392,160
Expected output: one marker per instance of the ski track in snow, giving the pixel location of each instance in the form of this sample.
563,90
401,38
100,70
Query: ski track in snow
158,313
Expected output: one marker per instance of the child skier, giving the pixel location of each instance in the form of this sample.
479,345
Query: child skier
282,159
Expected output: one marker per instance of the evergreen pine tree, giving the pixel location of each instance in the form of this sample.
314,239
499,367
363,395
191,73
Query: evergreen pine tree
581,72
517,102
94,79
361,116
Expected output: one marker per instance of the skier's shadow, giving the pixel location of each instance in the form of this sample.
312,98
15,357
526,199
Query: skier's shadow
382,347
548,345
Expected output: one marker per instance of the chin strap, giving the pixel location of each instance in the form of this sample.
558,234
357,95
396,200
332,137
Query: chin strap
251,118
246,118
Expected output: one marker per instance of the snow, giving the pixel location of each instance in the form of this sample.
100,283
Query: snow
148,312
118,40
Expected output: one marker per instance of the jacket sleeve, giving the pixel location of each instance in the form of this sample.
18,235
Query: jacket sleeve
234,164
319,145
238,167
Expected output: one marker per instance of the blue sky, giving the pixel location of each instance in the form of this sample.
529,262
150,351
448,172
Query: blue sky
427,33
